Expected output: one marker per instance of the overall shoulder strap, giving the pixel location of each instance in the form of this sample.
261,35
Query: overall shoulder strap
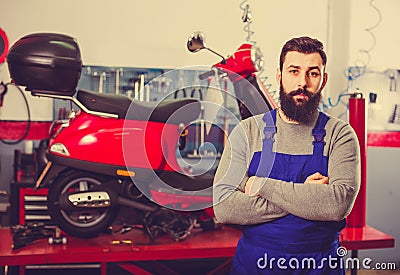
319,131
270,124
267,156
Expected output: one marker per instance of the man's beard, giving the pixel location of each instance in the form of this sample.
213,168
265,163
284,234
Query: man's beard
300,111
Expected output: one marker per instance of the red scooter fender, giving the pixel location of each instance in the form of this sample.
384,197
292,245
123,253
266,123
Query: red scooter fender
242,63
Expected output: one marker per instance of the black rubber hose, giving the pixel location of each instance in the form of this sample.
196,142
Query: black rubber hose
29,119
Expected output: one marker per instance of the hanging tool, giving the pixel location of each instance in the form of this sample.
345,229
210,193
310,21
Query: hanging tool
102,78
141,87
247,19
118,74
392,74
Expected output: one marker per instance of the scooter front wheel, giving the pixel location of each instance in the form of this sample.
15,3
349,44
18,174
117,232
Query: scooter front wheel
85,222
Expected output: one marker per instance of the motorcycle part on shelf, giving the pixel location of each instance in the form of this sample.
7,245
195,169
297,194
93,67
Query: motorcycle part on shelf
165,221
47,62
24,234
58,238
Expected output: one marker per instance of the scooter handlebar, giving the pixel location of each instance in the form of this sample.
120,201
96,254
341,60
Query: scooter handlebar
212,72
205,75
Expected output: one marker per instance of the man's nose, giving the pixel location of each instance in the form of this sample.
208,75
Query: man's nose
302,80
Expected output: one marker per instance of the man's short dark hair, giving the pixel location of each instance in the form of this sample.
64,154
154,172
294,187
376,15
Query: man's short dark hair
304,45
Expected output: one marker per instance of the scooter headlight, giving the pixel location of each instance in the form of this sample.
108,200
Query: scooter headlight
257,58
59,148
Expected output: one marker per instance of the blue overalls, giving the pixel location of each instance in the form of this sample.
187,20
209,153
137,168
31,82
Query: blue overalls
289,245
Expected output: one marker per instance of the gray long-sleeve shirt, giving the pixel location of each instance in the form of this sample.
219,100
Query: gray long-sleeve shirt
277,198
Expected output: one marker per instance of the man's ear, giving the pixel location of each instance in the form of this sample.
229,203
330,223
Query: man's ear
278,76
324,80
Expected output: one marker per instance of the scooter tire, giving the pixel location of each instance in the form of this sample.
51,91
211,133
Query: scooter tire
85,223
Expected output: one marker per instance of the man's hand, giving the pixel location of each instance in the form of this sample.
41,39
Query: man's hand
317,178
248,187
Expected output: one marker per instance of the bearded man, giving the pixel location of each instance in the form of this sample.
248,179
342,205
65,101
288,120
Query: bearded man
290,176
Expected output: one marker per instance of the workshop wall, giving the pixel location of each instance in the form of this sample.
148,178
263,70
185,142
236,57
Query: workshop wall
154,33
373,37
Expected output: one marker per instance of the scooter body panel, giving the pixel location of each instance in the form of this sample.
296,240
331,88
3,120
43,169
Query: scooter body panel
119,142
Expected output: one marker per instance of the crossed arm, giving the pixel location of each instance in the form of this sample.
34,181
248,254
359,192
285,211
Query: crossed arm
253,190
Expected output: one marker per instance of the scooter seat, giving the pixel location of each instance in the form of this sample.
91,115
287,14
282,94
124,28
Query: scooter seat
167,111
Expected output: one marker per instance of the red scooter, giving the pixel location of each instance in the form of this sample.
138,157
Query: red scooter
116,151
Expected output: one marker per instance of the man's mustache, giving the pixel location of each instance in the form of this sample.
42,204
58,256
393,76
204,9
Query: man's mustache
301,91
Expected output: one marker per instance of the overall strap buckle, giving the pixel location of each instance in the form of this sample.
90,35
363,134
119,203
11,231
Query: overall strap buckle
269,132
270,129
319,135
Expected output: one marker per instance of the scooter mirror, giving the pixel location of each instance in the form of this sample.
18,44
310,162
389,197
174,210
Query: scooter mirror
196,42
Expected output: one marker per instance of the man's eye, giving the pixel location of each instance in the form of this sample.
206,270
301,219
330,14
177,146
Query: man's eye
313,74
293,71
